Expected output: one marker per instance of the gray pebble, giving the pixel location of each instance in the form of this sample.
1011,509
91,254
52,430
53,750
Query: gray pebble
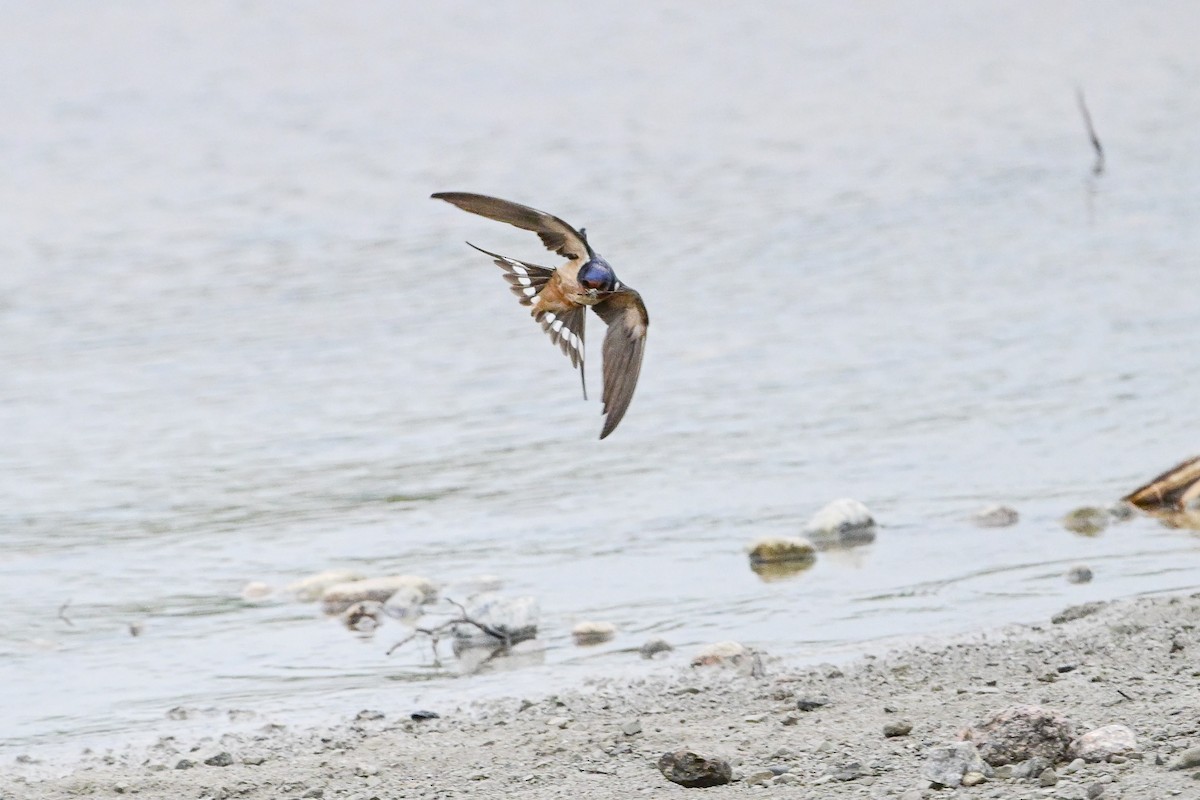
221,759
1073,767
900,727
1095,791
1079,574
184,763
631,728
811,703
1048,777
655,646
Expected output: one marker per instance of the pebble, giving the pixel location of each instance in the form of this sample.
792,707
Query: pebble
786,778
1073,767
184,763
654,647
995,517
693,770
973,778
340,596
254,760
255,590
419,716
631,728
776,549
1087,521
558,722
1048,777
946,765
763,776
1072,613
311,588
721,653
1095,791
1079,574
841,516
221,759
900,727
1187,759
811,703
589,633
1104,744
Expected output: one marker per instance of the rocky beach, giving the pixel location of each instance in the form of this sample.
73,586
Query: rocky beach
1038,702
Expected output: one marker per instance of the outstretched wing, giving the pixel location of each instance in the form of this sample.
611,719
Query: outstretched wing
557,235
565,330
525,279
627,320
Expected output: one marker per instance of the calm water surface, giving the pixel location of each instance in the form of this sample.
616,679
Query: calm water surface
239,343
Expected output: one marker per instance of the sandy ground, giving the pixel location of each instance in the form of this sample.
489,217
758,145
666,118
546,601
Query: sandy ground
1130,662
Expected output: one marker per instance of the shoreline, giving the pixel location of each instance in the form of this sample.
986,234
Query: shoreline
1128,662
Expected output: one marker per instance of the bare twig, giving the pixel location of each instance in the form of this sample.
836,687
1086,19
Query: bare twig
62,613
1098,167
435,633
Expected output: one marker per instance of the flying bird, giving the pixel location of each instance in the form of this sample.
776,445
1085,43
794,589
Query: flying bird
559,298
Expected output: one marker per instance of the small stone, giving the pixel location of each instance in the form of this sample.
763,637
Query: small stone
693,770
654,647
1187,759
558,722
366,770
901,727
722,653
811,703
763,776
368,715
631,728
184,763
1079,574
1048,777
1031,767
1095,790
1087,521
778,769
785,778
947,765
420,716
778,549
310,588
850,772
973,778
253,760
1073,767
911,794
1004,772
590,633
340,596
754,718
221,759
317,793
1072,613
995,517
1104,744
840,517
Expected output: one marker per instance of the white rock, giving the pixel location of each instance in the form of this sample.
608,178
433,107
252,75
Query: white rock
517,617
311,588
841,517
340,596
1103,743
722,653
407,602
255,590
586,633
996,517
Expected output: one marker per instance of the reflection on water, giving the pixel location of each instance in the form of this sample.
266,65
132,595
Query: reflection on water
240,344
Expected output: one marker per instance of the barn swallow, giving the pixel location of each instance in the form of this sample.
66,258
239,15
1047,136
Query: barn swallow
559,298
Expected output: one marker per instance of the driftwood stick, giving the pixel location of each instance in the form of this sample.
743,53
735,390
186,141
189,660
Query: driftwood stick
1098,166
435,633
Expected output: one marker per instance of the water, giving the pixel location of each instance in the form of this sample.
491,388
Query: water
239,342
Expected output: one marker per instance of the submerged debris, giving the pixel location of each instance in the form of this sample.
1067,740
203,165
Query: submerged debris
340,596
589,633
779,549
995,517
311,588
1087,521
844,522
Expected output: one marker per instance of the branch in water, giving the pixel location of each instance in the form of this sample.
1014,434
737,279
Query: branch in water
1098,167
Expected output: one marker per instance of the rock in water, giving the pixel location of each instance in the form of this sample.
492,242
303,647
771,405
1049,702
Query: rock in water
722,653
995,517
1079,574
1022,732
654,647
1103,743
776,549
844,521
1087,521
340,596
589,633
514,617
694,770
311,588
947,765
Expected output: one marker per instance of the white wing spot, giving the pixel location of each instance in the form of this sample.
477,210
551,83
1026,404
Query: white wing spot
550,317
557,326
519,268
524,281
530,291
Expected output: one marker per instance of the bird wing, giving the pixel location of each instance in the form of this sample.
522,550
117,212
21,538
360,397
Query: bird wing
565,330
557,235
625,314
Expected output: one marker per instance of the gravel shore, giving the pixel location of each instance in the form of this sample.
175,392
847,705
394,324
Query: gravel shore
812,732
